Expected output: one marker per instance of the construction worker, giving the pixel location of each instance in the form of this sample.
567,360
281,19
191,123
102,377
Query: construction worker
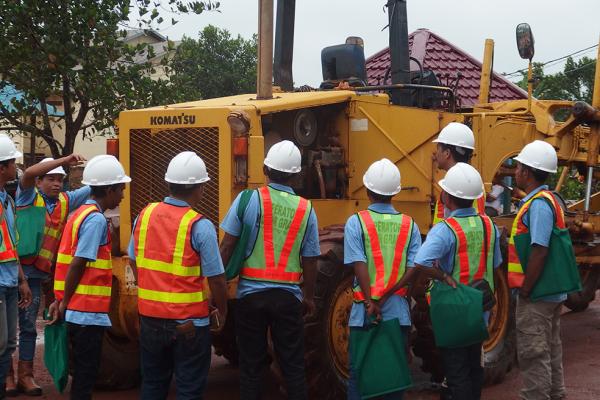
83,275
14,289
539,347
380,244
281,253
466,247
175,249
455,144
41,186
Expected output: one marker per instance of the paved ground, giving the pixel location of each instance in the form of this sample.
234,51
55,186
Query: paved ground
581,346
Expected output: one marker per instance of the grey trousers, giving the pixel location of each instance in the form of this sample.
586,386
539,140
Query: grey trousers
539,350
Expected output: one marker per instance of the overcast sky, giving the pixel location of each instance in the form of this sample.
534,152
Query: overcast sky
559,27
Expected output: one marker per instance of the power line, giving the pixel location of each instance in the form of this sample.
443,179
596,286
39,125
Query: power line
554,60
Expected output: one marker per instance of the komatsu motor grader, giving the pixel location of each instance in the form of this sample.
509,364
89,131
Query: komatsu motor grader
340,133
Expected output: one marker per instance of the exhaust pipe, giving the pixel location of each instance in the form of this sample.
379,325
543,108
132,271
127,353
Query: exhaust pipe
264,70
284,45
399,53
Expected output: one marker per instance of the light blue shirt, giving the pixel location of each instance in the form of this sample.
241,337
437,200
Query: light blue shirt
440,245
232,225
26,197
396,307
204,241
92,234
540,221
9,271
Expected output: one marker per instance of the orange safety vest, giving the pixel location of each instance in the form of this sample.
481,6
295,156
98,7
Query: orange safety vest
287,239
55,223
438,212
170,281
384,273
94,289
8,250
516,275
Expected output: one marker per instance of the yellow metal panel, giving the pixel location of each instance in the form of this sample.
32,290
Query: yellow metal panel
256,156
280,101
404,136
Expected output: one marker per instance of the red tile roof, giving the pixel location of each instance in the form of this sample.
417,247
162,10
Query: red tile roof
445,60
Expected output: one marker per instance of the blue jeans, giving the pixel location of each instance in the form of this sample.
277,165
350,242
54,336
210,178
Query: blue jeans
27,319
9,297
168,347
354,393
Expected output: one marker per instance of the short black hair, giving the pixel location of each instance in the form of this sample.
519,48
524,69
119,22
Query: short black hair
539,175
461,203
178,189
278,176
101,191
460,154
379,198
6,163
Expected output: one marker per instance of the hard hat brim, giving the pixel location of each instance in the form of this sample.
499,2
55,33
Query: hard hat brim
287,170
12,157
453,144
453,193
529,164
124,179
202,180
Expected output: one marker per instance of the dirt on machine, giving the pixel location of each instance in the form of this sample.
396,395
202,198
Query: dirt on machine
341,128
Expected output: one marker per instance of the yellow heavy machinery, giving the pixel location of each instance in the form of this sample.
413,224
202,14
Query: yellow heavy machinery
340,133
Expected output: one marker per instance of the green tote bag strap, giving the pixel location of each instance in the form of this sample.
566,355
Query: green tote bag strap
233,267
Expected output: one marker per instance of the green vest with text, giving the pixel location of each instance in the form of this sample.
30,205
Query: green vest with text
276,253
475,243
387,238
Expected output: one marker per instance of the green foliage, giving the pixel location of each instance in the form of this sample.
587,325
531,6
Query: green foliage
73,52
575,82
215,65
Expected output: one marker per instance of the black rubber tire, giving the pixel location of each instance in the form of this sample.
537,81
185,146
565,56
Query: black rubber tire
325,381
500,359
580,301
225,343
120,364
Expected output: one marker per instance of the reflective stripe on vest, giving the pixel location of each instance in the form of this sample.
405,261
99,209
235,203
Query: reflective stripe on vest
170,281
439,210
8,251
386,259
470,251
284,218
53,229
516,276
93,292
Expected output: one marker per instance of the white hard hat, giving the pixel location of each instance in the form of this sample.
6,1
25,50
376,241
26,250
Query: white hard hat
463,181
284,156
539,155
58,170
383,177
104,170
457,134
186,168
8,150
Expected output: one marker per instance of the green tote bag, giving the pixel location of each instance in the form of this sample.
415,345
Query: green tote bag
457,315
560,273
56,353
30,227
233,267
378,356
